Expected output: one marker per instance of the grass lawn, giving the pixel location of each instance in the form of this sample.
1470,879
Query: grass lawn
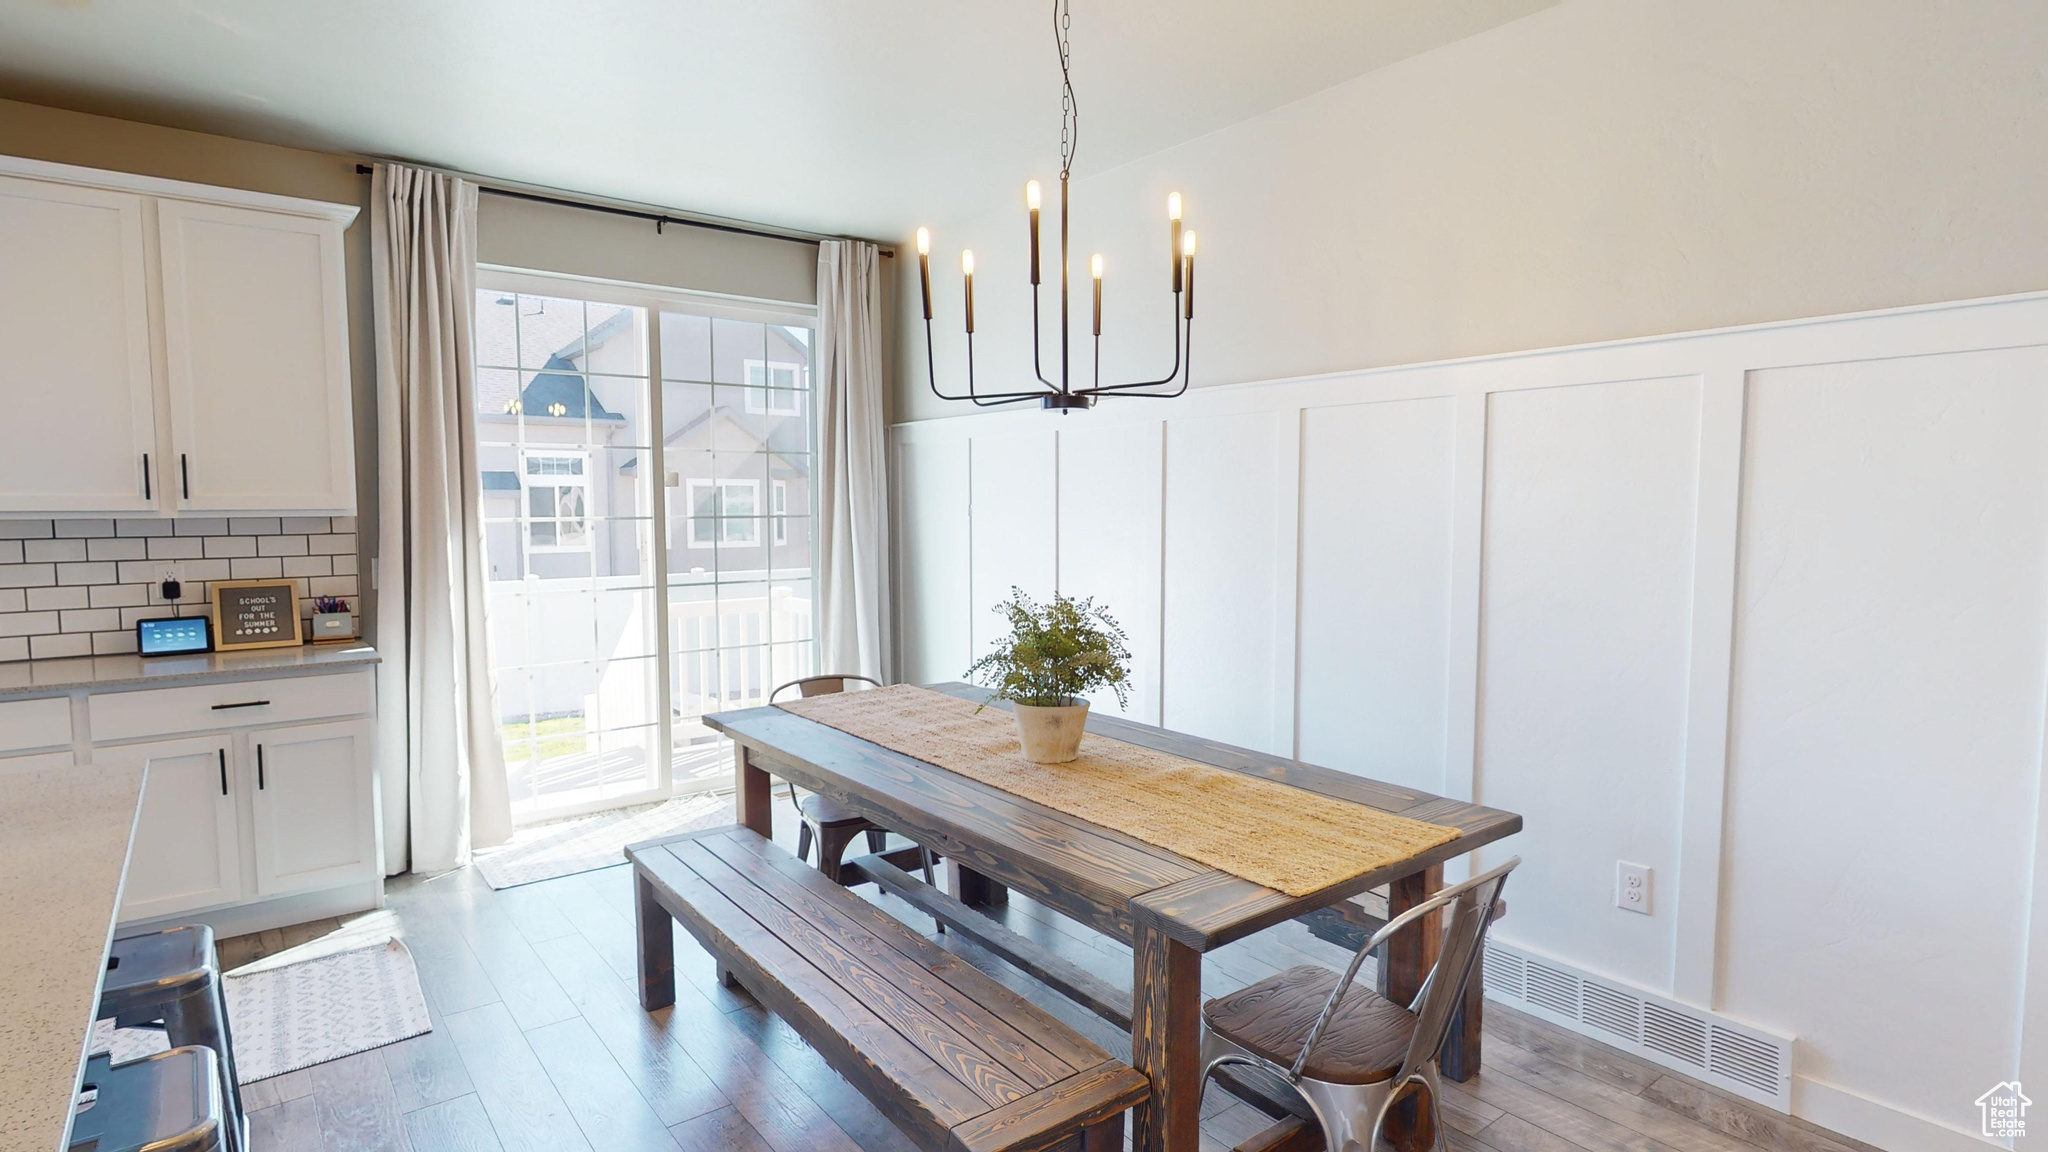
560,736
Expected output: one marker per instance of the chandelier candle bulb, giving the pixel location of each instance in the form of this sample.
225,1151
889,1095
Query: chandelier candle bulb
1173,248
1188,245
1031,202
1095,267
924,268
967,273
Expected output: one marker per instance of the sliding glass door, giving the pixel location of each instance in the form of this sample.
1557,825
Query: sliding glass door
638,581
736,408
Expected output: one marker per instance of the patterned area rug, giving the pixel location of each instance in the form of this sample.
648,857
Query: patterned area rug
546,851
295,1015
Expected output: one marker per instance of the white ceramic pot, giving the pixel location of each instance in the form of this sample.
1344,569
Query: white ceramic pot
1051,735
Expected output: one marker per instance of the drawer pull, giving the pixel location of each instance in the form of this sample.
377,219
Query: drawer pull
223,771
243,704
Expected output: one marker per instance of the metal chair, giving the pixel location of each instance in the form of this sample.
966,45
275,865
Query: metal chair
834,826
167,1102
1365,1066
171,976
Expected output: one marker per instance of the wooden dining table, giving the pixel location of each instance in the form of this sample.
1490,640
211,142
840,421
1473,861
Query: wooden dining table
1168,908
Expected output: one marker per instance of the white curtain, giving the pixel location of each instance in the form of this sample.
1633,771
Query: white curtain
853,512
440,759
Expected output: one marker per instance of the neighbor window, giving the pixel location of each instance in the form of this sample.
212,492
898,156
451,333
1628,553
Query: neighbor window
780,388
723,512
778,497
557,501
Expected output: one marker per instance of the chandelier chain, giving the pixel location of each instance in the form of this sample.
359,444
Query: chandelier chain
1070,111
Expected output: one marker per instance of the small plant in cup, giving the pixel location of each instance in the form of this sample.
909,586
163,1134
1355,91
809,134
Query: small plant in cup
1056,653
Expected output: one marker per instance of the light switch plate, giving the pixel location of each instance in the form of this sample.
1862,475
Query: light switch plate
1632,887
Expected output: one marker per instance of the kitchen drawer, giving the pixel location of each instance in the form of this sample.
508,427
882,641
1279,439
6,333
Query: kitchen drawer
168,711
26,724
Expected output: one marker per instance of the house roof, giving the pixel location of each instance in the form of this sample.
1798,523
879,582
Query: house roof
797,463
558,390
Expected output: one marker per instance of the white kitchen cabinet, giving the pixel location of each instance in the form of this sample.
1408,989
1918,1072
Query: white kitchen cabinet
187,851
171,348
312,809
260,807
255,332
80,429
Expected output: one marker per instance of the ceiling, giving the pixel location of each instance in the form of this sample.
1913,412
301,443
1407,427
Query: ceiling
861,118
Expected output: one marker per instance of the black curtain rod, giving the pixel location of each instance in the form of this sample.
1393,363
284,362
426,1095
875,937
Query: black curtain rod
660,220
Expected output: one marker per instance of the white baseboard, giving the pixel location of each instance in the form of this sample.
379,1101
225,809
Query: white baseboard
1873,1122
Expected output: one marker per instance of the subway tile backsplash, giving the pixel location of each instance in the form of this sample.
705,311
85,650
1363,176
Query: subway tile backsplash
77,587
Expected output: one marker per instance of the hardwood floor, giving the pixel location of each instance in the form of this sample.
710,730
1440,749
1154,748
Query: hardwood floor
538,1044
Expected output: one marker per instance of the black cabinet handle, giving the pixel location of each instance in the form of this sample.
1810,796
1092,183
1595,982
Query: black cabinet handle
146,494
185,475
259,767
223,771
243,704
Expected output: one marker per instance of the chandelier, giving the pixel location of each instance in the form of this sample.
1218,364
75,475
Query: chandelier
1065,394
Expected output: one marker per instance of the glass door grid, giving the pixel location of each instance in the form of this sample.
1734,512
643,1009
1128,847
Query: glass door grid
609,592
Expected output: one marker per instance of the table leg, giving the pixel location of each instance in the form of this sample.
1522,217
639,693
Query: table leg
1166,1040
971,888
1410,955
657,951
756,803
1459,1059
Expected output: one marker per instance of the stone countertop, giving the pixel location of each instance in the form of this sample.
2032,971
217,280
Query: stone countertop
101,673
62,860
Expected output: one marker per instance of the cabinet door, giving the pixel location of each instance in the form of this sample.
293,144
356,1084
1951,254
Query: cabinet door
74,320
255,335
187,850
313,821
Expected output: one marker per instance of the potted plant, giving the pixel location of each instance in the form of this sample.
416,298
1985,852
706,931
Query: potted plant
1055,654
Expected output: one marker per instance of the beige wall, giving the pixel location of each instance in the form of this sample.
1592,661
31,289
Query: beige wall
553,238
1598,170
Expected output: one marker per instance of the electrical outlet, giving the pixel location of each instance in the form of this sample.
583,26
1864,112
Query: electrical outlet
1632,887
168,573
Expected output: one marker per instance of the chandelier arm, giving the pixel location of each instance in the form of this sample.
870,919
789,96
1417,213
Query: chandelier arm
1187,362
1101,389
993,399
932,377
1036,368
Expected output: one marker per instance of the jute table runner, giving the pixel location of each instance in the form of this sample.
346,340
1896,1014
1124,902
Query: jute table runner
1270,833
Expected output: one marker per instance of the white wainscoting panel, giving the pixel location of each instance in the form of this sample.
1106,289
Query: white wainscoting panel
1765,609
1586,600
1111,503
1016,534
1886,736
931,560
1223,501
1376,531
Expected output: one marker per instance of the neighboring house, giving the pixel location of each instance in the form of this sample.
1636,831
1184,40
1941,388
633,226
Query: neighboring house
570,510
548,494
740,455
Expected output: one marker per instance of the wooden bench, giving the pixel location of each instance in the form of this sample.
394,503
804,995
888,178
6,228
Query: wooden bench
956,1060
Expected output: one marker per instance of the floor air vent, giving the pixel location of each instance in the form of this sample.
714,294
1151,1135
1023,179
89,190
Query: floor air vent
1730,1055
